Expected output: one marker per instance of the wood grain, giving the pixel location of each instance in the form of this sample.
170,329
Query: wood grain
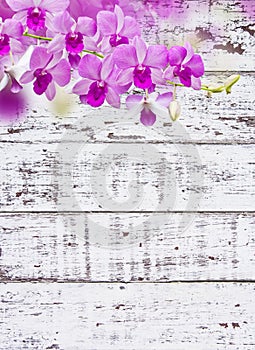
127,247
93,177
221,119
132,316
222,31
96,197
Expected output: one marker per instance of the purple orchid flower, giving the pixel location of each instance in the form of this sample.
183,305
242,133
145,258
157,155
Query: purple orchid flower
45,70
71,35
5,10
36,13
185,66
116,28
140,64
10,33
149,107
99,83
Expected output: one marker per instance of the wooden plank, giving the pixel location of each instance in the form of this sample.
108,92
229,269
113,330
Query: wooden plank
222,31
93,177
221,119
134,316
127,247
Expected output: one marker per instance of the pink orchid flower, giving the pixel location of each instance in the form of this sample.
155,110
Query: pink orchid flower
140,64
10,33
185,66
45,70
36,13
99,83
116,28
149,107
70,34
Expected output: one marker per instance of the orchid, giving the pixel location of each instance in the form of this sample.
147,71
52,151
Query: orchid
116,28
36,13
10,33
140,64
94,49
45,69
185,66
70,35
99,83
149,107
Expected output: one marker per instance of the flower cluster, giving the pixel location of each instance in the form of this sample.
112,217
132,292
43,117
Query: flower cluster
98,55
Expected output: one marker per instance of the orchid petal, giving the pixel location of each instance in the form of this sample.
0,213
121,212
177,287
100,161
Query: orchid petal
176,55
90,67
40,58
63,22
157,76
61,73
57,44
107,22
156,56
120,18
158,109
17,5
4,82
27,77
190,51
55,6
82,87
169,73
107,67
130,28
134,100
165,99
196,65
50,91
141,48
12,28
196,83
126,76
86,26
113,98
147,118
125,56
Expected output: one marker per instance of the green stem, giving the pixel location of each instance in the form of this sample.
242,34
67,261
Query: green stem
37,36
50,39
94,53
203,87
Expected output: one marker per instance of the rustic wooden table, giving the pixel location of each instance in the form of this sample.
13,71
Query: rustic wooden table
118,236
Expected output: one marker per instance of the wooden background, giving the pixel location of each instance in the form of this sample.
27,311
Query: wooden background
117,236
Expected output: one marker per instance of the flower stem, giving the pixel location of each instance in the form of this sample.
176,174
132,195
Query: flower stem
203,87
36,36
94,53
50,39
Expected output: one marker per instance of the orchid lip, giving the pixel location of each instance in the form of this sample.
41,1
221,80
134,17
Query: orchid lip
4,44
74,42
36,18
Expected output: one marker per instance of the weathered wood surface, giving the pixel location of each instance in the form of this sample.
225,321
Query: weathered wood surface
96,197
93,177
127,247
131,316
221,119
223,31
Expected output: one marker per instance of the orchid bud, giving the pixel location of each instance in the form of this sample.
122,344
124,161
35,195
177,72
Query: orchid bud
215,88
230,81
174,110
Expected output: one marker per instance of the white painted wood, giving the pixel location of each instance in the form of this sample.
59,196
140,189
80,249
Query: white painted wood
93,177
127,247
223,31
177,316
221,119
